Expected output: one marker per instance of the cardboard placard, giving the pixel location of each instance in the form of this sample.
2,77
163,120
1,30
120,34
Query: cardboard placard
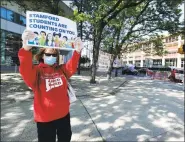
51,31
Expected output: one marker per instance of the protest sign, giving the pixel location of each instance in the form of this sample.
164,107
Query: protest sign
51,31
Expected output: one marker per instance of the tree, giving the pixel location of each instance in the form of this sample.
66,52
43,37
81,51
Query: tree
141,18
99,14
80,8
49,6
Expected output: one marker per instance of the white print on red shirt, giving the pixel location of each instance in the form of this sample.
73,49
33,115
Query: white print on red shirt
53,83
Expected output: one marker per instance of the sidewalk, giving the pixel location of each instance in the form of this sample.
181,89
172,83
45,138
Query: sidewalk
13,88
142,110
17,117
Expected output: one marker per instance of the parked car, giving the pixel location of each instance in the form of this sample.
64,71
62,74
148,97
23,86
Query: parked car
129,71
142,71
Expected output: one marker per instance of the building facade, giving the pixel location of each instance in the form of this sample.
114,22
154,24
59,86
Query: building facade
171,44
13,23
88,50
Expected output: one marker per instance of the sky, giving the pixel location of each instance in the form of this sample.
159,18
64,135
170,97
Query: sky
182,16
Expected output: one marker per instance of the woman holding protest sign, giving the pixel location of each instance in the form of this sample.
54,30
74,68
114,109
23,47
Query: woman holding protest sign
48,81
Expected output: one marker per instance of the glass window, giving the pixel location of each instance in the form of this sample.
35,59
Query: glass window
22,20
157,62
182,37
10,15
11,46
3,13
166,40
16,18
182,62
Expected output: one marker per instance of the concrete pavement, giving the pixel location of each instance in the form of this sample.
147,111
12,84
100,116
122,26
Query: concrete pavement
14,89
141,110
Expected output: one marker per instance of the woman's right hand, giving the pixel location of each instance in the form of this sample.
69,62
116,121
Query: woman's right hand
27,35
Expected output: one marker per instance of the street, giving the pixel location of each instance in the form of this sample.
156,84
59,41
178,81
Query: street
140,110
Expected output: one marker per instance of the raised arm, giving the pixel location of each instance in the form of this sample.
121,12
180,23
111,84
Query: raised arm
71,66
27,69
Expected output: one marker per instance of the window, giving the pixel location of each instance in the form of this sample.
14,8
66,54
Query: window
10,15
23,20
137,63
144,64
171,62
166,40
182,62
3,13
157,62
10,46
182,37
14,17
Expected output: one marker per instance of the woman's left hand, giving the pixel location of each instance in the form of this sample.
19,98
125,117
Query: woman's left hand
78,45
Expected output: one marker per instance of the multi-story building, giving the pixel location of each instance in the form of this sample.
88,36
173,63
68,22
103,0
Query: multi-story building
103,59
171,44
13,23
88,50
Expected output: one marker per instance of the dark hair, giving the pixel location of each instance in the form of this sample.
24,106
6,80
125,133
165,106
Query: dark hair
47,38
65,37
59,34
41,52
43,32
36,32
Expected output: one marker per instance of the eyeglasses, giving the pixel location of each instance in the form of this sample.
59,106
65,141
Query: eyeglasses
48,54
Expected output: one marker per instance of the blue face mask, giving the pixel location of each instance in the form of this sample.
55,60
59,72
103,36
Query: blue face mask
50,60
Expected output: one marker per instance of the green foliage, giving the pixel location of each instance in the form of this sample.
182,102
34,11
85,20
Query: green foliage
141,22
114,24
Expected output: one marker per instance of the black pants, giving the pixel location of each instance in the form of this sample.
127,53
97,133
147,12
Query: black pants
47,131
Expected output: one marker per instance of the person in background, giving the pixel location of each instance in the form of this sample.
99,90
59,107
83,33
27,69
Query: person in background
172,76
48,81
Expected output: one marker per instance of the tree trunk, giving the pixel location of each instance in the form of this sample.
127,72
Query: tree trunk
109,72
81,23
81,35
95,59
93,72
97,39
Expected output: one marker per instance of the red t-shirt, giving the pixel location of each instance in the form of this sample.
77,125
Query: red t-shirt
173,73
49,85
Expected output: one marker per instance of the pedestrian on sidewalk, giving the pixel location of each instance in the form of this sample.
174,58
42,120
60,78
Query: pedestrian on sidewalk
172,76
48,81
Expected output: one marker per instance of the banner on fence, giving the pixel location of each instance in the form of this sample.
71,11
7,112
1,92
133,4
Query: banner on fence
51,30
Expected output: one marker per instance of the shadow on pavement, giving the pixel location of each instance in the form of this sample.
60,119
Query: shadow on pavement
140,111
